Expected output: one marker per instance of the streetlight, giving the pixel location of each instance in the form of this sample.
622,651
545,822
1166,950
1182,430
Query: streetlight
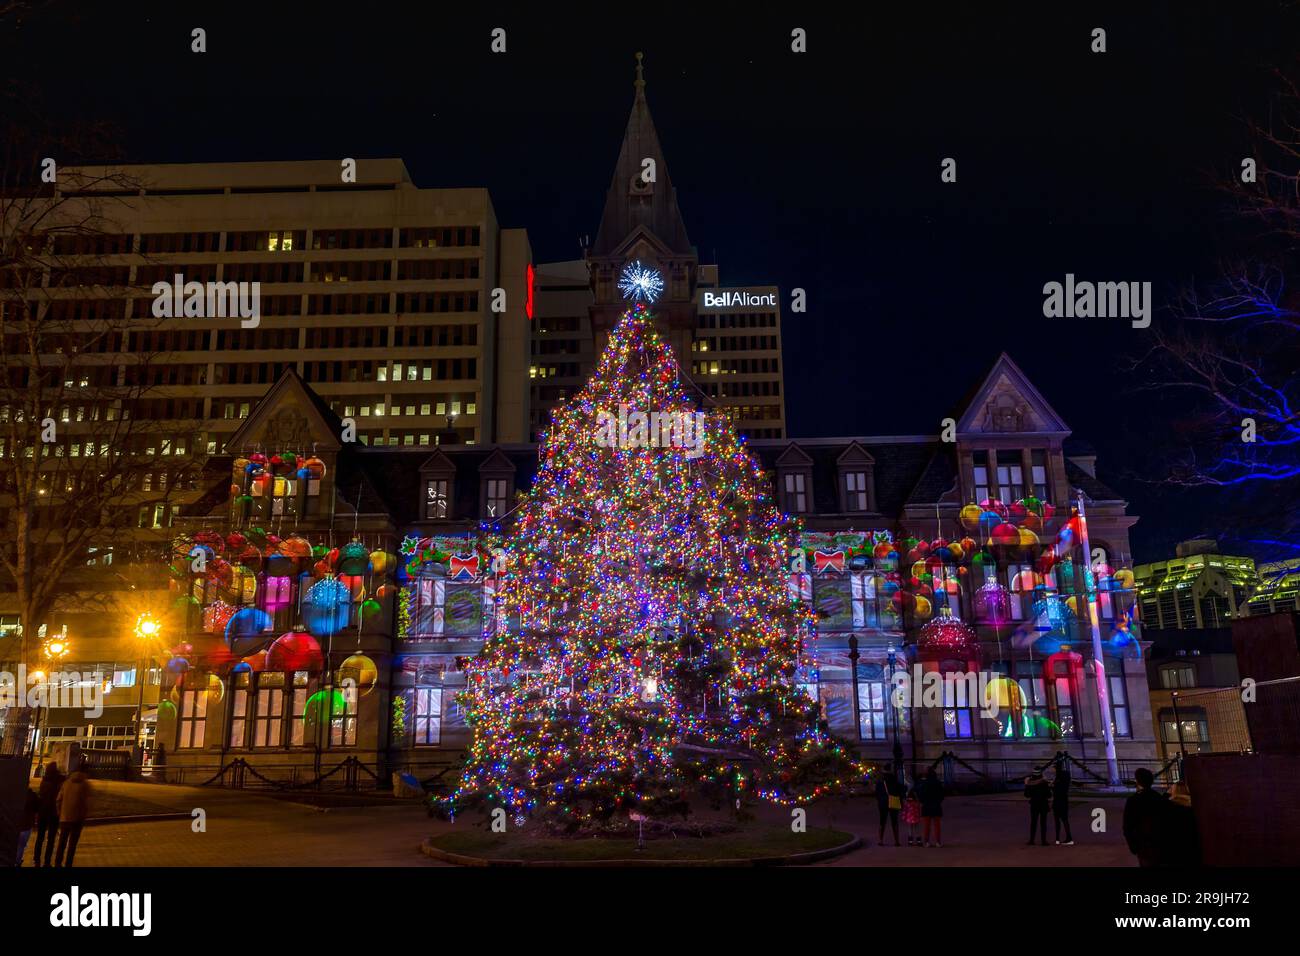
1098,662
54,650
894,710
148,629
57,648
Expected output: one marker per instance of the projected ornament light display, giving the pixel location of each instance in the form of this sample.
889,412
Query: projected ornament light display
640,283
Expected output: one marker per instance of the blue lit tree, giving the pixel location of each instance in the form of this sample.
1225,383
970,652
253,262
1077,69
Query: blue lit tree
1230,366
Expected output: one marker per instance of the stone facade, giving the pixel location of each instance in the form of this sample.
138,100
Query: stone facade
438,515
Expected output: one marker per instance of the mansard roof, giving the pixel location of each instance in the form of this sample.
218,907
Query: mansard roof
937,480
907,470
1094,489
897,465
398,473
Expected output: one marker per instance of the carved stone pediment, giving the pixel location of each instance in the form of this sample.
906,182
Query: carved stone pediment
1008,402
286,429
1008,412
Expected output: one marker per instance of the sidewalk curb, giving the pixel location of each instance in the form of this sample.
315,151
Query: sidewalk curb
792,859
137,818
361,806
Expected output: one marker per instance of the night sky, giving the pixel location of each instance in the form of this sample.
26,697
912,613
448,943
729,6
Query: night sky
818,170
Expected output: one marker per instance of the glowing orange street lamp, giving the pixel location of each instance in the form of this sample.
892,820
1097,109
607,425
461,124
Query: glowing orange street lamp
54,650
148,629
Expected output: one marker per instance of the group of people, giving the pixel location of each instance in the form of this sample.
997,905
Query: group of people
1159,831
1053,795
921,804
918,804
57,810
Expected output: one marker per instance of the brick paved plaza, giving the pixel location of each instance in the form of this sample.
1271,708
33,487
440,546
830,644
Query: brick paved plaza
249,829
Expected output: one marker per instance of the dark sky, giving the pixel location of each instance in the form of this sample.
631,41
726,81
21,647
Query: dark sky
818,170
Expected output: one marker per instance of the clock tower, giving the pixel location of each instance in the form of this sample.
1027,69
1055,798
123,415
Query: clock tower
641,223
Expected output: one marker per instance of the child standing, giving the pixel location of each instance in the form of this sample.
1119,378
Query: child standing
912,817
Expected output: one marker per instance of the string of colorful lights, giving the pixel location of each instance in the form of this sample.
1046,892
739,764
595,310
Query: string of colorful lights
652,642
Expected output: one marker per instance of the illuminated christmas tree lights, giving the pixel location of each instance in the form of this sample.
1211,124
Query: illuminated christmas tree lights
650,641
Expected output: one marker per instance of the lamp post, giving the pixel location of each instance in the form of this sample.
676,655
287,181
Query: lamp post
1098,663
1182,744
853,669
147,630
894,709
54,650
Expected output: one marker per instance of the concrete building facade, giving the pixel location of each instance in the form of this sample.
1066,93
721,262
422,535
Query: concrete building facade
378,292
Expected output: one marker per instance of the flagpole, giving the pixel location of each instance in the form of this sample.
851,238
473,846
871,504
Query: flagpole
1098,663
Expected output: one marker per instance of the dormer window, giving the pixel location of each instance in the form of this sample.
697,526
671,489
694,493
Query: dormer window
855,491
437,473
794,480
796,493
435,498
496,485
494,497
856,480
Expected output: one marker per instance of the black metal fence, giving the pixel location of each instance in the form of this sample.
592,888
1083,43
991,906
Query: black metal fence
995,773
15,730
350,774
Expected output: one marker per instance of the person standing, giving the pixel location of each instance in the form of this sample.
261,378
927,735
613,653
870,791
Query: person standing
1039,794
930,792
47,816
31,810
160,763
889,801
74,807
912,816
1145,817
1061,804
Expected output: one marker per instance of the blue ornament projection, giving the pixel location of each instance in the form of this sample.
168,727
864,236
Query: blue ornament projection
247,622
326,608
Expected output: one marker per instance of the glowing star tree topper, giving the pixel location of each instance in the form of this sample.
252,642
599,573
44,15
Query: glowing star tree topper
640,282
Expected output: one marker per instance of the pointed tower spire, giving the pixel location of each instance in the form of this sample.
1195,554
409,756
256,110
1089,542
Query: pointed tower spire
633,199
641,222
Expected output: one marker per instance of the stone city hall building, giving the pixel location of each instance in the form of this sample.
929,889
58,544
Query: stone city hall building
342,593
326,593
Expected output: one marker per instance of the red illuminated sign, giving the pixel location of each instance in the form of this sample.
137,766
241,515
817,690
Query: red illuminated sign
528,305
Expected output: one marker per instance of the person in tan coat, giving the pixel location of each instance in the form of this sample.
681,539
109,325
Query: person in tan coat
74,807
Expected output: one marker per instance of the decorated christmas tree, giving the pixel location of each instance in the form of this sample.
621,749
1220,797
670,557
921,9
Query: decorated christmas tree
651,642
